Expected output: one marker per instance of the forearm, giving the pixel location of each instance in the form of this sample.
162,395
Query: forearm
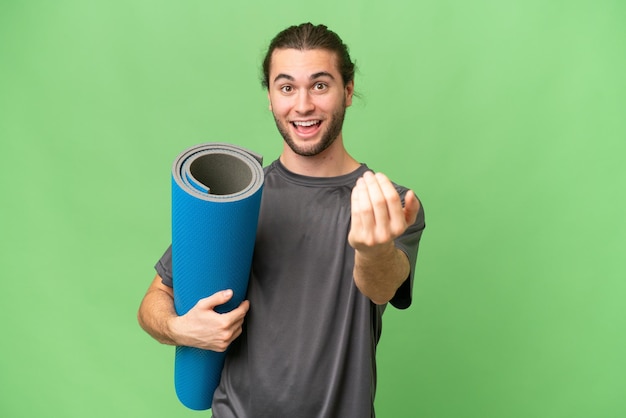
156,313
200,327
379,274
379,216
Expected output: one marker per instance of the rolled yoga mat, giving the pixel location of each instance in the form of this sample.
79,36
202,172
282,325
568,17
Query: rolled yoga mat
216,195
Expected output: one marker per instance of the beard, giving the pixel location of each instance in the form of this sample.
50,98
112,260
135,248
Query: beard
328,136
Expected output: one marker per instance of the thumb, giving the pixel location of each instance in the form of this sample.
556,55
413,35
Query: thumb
216,299
411,207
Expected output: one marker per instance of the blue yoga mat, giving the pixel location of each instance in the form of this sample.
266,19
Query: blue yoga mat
216,195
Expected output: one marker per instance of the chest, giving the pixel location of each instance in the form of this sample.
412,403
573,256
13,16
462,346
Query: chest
291,215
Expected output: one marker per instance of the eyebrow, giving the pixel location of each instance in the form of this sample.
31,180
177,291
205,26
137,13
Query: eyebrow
321,74
312,77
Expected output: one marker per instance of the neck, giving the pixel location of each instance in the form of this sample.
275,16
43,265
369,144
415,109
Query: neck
332,162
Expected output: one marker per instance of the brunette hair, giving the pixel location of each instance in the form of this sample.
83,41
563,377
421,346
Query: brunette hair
307,36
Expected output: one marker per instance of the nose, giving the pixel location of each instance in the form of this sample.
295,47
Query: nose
304,104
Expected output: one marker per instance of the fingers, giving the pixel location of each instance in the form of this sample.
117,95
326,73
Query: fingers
374,210
396,220
377,212
216,299
220,298
232,323
411,207
238,314
207,329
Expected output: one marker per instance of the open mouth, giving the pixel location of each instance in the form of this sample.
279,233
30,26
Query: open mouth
305,127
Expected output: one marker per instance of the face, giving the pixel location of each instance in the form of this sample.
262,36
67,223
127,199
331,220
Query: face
308,98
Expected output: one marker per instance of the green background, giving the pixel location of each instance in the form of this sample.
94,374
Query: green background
507,118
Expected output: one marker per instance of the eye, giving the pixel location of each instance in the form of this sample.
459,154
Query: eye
286,89
320,86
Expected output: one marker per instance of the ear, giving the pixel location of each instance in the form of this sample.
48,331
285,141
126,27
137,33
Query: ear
349,92
269,101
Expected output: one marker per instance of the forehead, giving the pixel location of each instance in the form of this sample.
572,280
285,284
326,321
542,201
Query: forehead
303,63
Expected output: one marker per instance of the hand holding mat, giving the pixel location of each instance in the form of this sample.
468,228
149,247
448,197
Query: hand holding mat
216,195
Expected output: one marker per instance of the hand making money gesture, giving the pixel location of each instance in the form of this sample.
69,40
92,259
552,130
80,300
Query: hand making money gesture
378,218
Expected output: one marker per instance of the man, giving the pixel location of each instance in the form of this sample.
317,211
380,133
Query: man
335,243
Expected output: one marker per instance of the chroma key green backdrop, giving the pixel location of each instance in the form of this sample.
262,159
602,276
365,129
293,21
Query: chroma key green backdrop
507,117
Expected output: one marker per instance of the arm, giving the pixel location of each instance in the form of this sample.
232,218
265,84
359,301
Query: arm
200,327
378,218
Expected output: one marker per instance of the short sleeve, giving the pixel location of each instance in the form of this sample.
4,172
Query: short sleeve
409,244
164,267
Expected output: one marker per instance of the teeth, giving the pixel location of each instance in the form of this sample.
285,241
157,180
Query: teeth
306,123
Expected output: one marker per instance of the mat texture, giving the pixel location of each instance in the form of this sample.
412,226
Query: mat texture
216,195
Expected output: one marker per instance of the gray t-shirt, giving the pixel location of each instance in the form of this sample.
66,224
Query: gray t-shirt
309,341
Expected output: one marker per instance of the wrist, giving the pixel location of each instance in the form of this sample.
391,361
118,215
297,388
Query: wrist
376,253
172,329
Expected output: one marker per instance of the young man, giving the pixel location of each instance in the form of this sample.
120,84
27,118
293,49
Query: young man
335,243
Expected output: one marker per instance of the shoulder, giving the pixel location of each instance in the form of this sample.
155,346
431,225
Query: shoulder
269,169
